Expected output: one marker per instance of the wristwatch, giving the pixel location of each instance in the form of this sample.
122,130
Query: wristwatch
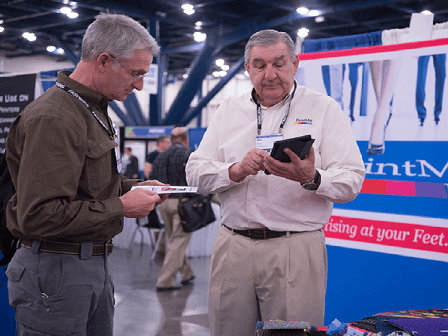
314,184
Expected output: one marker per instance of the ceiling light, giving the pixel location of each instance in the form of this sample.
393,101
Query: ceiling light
1,29
29,36
319,19
216,73
185,76
1,21
72,15
426,12
73,4
199,37
188,9
225,67
60,51
314,12
303,32
302,10
51,48
198,23
198,27
65,10
219,62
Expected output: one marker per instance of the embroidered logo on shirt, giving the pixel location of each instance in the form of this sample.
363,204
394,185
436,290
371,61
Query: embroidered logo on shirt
304,121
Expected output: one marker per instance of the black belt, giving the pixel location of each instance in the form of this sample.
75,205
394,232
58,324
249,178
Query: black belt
69,248
260,233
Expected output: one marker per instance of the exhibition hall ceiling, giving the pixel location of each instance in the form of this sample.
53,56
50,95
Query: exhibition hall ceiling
227,23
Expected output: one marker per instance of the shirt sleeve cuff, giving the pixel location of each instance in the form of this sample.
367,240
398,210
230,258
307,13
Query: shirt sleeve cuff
115,208
324,182
226,175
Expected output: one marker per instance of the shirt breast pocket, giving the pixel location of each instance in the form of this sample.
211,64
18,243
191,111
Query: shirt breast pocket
100,167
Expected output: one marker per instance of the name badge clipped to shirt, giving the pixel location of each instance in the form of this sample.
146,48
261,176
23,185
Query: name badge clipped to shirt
118,154
266,142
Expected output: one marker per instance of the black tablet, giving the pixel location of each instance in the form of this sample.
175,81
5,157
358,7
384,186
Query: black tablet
299,145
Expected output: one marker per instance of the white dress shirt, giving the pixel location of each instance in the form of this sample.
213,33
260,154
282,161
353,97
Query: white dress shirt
267,200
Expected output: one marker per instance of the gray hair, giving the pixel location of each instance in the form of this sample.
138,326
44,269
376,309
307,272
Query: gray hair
269,37
117,34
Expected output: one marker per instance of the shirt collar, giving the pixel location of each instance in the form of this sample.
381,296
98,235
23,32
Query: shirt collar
92,97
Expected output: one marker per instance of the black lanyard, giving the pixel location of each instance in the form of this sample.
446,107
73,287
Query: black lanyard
280,128
77,96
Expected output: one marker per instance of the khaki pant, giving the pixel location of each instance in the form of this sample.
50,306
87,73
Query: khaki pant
258,280
161,249
175,257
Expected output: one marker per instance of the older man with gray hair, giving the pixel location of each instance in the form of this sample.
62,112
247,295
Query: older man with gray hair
64,159
269,259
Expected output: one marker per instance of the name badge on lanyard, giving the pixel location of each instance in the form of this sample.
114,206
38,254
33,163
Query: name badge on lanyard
266,142
117,153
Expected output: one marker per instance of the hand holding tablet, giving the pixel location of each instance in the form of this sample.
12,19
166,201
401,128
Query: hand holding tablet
299,145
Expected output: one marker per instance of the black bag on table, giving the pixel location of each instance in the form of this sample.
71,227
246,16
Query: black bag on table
196,213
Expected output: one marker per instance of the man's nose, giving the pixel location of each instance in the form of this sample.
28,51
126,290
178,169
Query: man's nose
271,73
138,84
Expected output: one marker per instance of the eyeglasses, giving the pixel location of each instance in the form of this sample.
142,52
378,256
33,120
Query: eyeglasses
136,77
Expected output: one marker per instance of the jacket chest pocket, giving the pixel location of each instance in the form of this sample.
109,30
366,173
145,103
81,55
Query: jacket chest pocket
100,164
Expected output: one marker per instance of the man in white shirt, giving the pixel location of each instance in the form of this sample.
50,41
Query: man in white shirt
269,260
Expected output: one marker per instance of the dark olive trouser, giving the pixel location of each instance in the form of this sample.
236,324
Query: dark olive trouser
60,294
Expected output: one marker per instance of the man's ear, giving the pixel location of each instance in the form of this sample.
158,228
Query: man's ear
296,64
103,60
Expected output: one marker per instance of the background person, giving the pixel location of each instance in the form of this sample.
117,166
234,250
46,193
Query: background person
169,168
131,170
269,259
71,198
163,143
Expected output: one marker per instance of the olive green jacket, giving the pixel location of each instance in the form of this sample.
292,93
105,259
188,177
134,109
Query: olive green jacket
63,165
